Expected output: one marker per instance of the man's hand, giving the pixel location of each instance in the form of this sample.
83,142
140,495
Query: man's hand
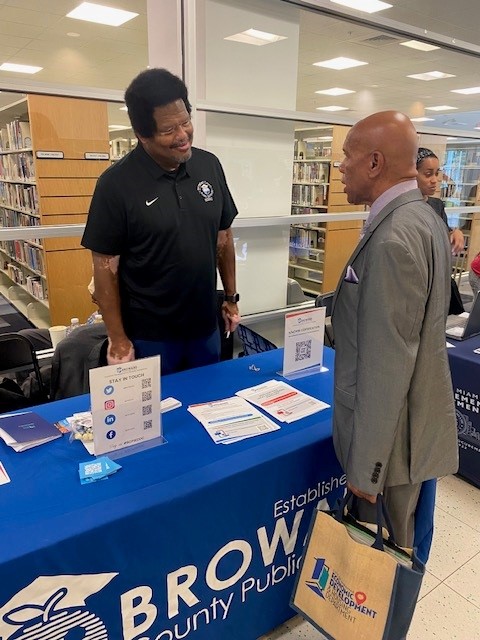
231,316
361,494
120,352
457,240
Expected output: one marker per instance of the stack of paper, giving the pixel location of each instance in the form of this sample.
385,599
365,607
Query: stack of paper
22,431
283,402
231,420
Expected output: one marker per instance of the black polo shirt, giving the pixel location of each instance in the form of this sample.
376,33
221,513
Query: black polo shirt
164,227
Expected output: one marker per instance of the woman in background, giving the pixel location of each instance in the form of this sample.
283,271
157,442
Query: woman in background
428,168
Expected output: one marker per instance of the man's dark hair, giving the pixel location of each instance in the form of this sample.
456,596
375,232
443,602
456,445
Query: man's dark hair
150,89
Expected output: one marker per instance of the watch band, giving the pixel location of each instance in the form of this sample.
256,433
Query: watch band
233,298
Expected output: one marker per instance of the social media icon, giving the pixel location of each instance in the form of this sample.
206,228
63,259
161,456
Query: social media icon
111,434
110,419
108,390
109,404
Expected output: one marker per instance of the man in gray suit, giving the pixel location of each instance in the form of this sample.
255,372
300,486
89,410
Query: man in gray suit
394,418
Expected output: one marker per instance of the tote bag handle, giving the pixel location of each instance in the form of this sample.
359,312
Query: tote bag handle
382,516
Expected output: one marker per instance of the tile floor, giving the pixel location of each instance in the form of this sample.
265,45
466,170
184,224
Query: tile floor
449,604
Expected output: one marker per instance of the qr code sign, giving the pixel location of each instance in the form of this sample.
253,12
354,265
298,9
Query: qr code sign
146,383
147,424
147,410
146,395
303,350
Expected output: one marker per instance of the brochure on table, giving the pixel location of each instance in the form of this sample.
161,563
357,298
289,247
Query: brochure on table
126,406
303,343
231,419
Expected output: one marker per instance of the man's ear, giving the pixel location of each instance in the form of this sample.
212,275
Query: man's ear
376,162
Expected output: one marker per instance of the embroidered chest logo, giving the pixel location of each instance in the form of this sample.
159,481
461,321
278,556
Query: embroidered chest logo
205,189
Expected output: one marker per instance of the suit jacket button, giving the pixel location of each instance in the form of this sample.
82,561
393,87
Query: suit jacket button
378,464
374,480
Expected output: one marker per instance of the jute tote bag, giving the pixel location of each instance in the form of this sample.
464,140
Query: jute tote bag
353,584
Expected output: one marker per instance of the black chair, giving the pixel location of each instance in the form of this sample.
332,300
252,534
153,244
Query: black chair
16,355
252,341
326,300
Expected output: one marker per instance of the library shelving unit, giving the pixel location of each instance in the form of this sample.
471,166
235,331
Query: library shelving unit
52,151
318,252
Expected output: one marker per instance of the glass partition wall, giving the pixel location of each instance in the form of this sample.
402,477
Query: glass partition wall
276,116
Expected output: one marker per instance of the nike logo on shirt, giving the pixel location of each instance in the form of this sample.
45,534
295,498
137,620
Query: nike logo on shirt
149,202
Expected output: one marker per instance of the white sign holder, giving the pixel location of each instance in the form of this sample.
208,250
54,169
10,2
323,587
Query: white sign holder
303,343
126,407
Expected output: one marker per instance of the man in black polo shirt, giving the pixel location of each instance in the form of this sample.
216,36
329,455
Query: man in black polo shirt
158,226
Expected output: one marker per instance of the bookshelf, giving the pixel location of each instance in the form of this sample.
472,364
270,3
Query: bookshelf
52,150
318,252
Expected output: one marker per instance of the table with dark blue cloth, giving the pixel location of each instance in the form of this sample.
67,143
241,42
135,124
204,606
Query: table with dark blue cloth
465,368
188,540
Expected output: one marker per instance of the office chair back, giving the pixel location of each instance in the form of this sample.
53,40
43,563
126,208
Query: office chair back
17,354
252,341
326,300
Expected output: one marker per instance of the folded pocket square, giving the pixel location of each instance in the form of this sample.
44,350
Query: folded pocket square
351,276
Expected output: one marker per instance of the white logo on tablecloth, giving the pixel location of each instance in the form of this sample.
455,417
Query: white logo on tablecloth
51,606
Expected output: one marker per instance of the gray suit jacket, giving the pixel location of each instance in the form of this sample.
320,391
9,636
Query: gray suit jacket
394,416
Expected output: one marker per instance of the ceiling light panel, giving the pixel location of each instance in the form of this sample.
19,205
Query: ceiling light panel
339,63
19,68
431,75
255,37
101,15
441,107
332,108
417,44
335,91
422,119
467,92
368,6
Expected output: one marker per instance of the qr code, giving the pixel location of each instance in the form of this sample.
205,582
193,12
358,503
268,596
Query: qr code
146,395
93,467
147,424
303,350
146,383
147,410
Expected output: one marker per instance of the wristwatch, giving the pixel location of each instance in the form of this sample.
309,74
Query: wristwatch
233,298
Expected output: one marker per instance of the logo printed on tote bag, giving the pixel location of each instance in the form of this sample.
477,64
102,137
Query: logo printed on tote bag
327,584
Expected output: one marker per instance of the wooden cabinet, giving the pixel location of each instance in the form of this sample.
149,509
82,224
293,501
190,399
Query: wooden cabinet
319,252
56,175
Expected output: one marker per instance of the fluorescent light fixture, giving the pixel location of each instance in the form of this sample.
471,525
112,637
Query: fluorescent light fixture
325,138
332,108
451,138
468,92
441,107
368,6
339,63
422,119
417,44
19,68
118,127
431,75
124,108
100,14
335,91
256,37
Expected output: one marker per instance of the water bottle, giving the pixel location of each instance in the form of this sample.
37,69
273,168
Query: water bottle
74,324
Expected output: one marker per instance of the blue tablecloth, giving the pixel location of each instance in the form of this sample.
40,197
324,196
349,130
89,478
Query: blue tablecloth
189,539
465,368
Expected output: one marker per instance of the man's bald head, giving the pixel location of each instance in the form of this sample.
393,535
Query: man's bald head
380,151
